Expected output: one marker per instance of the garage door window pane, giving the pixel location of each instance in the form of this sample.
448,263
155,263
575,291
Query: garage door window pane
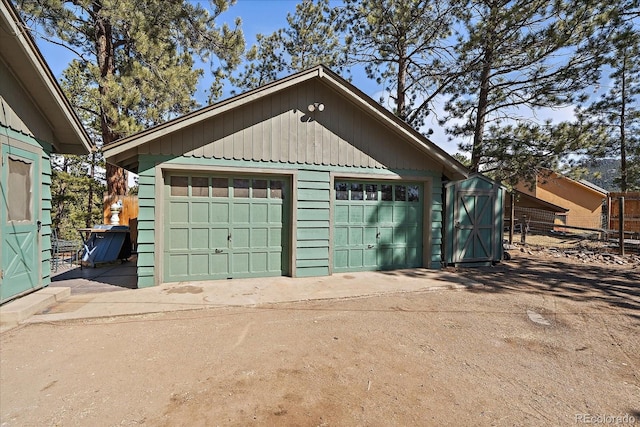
414,193
342,191
260,188
199,186
179,185
401,193
356,192
241,188
386,193
220,187
19,189
372,192
277,190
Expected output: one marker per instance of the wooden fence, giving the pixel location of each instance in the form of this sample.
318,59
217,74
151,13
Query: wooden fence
631,211
128,215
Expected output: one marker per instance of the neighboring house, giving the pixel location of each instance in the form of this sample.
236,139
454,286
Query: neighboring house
583,200
305,176
35,121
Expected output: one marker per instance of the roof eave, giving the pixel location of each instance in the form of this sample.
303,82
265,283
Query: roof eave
68,133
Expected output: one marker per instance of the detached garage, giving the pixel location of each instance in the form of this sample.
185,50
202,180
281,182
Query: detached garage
306,176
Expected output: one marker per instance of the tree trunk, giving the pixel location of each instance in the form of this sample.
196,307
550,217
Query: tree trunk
105,54
478,133
623,142
402,82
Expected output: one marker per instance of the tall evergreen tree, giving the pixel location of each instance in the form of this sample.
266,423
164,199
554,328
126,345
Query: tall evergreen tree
615,116
309,39
136,58
522,55
404,45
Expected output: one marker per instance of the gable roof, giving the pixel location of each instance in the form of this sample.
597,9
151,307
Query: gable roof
24,60
126,148
534,202
581,184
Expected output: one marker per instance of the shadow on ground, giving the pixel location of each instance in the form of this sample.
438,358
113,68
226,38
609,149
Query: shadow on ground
614,286
102,278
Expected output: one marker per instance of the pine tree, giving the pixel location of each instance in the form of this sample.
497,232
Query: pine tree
310,39
520,56
404,45
616,115
136,58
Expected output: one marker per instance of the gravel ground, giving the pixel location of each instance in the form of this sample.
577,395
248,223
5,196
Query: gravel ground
545,341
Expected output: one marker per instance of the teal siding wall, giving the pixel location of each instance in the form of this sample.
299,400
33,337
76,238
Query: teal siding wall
146,224
313,222
45,217
437,224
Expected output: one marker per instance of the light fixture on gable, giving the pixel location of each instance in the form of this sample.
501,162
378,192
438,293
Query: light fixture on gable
315,106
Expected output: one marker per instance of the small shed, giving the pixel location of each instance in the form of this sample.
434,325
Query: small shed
35,120
474,221
305,176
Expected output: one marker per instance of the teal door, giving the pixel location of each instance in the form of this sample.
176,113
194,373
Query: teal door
377,226
222,227
19,217
474,226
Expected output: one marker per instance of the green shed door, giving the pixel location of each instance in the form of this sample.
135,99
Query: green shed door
19,219
377,226
219,227
474,226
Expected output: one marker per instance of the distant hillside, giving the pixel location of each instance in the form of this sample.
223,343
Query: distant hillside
608,170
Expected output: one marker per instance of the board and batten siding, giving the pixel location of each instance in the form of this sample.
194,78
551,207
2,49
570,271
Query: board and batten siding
278,128
313,223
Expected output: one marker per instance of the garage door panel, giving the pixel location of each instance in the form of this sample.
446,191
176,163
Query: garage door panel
259,212
356,214
259,237
259,262
219,238
379,228
225,227
370,235
179,212
370,258
240,263
240,238
179,238
219,264
178,264
275,237
219,212
199,238
356,258
275,213
240,212
385,213
341,214
356,236
199,213
199,264
340,259
341,236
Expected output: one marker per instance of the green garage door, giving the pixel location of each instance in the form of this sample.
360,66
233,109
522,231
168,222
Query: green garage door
220,227
377,226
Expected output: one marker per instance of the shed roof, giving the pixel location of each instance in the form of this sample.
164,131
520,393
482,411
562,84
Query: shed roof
126,148
27,64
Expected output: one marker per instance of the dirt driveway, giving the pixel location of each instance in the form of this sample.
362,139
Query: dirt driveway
544,342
